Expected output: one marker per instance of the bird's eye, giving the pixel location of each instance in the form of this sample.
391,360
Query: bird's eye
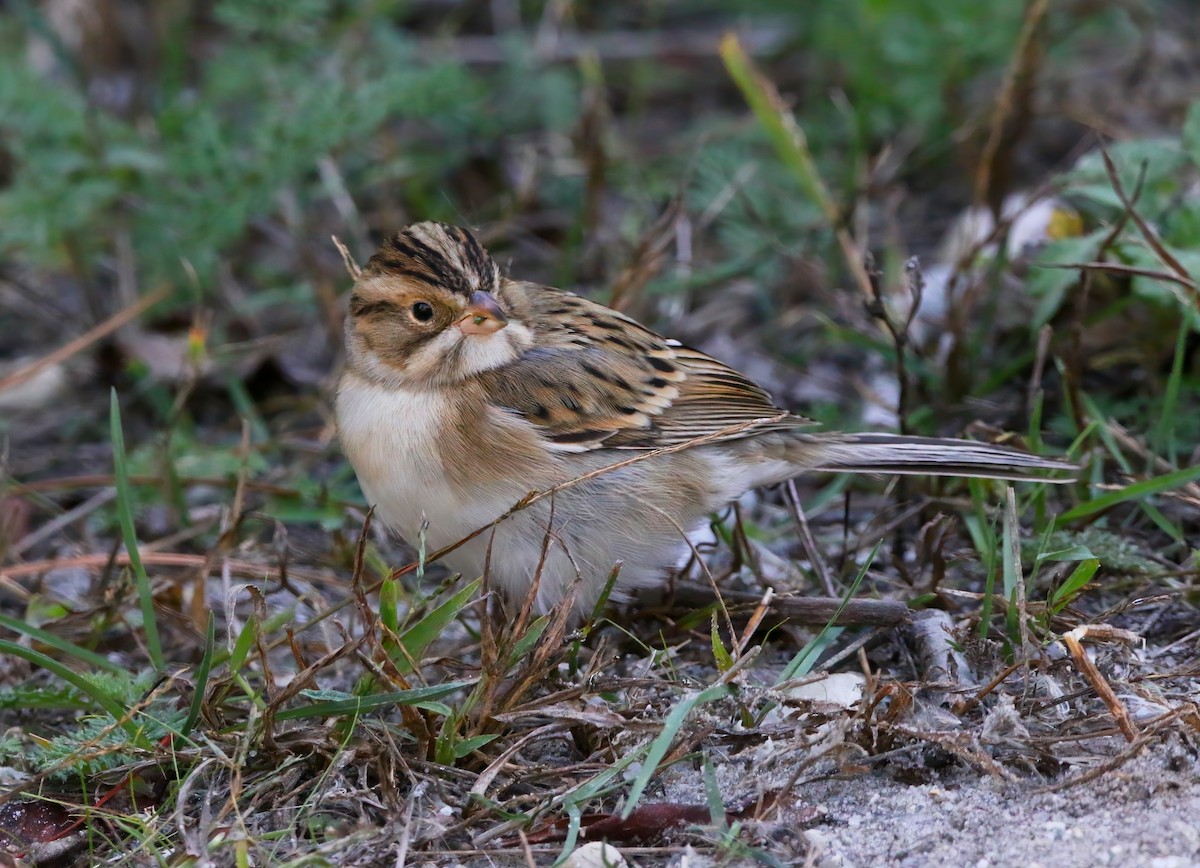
422,311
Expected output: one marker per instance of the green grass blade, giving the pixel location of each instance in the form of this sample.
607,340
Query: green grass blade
1043,544
712,795
1069,590
129,534
60,644
1010,558
525,644
1101,427
201,679
574,801
979,527
1035,445
1074,553
720,655
779,124
241,648
807,656
76,680
1165,524
420,635
985,610
389,600
468,746
1164,431
1081,439
662,741
1136,491
354,705
983,536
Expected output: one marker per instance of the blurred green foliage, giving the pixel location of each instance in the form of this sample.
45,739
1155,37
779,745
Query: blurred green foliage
245,104
906,65
289,85
1154,306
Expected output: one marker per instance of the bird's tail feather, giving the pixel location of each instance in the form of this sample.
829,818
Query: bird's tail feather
937,456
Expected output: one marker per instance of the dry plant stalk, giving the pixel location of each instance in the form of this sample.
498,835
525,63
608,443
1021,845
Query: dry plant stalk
157,559
1099,683
1157,726
809,611
1021,70
792,144
86,339
347,260
648,257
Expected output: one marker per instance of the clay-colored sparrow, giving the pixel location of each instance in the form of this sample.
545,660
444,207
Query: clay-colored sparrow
464,391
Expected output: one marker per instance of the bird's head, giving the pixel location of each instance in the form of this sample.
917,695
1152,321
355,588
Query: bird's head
428,310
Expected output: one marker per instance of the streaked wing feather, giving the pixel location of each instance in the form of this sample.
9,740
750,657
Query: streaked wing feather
599,379
712,397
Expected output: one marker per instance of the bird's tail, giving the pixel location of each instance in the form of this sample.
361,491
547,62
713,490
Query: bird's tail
937,456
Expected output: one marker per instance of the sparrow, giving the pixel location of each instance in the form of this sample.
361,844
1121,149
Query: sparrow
464,391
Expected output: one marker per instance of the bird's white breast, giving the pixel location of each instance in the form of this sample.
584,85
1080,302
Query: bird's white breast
395,440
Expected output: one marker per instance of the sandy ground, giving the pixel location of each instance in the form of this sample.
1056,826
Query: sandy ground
922,808
1145,813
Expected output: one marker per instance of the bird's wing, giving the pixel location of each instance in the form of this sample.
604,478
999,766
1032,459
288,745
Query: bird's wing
596,378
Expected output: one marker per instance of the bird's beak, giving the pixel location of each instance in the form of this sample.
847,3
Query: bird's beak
482,316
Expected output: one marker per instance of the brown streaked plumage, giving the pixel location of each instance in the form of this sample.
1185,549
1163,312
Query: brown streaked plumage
464,391
438,256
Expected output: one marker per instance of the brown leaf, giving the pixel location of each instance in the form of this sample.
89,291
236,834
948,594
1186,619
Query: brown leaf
34,822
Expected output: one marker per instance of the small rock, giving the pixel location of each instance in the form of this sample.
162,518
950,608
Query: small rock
597,854
843,689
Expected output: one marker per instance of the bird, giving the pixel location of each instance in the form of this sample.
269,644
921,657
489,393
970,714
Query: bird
465,392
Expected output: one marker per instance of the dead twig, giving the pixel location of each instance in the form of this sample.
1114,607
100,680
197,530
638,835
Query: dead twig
86,339
648,256
1099,683
815,611
347,260
63,521
1132,270
1148,235
1156,727
1017,77
878,309
966,705
1045,333
806,538
156,559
